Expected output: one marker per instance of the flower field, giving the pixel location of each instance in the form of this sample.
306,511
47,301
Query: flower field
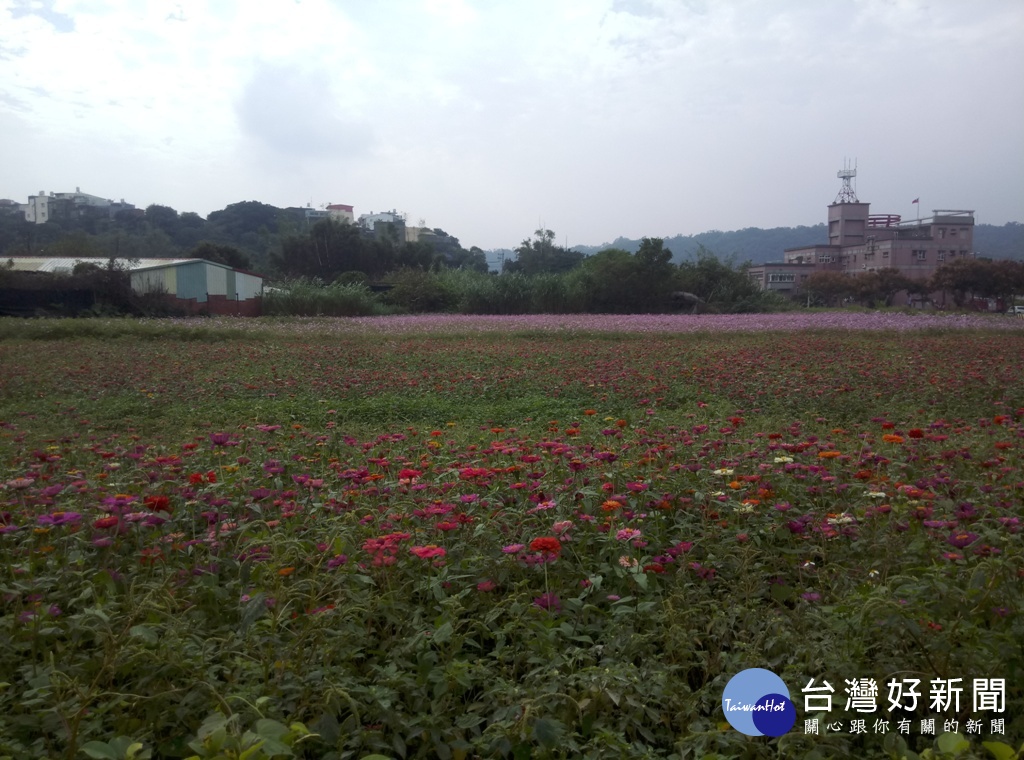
465,538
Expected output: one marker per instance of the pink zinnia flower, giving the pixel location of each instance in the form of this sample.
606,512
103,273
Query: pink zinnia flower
430,551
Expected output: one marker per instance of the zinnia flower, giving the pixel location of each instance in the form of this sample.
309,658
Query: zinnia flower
962,539
427,552
549,602
546,545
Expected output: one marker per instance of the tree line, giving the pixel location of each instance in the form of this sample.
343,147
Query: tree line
962,279
543,278
421,275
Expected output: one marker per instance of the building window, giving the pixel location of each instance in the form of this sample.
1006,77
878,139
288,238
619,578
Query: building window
885,254
942,232
952,232
922,255
942,256
781,277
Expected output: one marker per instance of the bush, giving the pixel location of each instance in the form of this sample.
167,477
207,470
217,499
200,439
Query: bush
311,298
417,291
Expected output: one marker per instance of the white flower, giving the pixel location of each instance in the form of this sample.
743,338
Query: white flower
841,520
783,460
723,471
876,494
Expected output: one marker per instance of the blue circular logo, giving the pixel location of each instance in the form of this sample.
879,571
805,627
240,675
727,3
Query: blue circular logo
756,703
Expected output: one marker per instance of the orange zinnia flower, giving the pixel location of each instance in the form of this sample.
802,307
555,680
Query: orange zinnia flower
890,438
285,571
829,454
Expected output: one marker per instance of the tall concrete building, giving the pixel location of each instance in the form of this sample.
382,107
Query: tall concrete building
860,242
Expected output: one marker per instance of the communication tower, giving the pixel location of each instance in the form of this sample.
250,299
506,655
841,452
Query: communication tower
848,193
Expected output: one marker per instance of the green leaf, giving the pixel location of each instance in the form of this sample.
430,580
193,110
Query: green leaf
251,752
444,633
100,751
952,743
270,729
782,593
97,612
145,633
999,750
547,732
254,609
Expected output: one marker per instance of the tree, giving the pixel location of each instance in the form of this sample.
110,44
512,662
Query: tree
828,288
330,248
721,284
221,254
880,285
162,217
542,255
960,278
607,280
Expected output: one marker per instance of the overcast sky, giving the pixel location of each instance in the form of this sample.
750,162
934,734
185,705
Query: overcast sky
488,118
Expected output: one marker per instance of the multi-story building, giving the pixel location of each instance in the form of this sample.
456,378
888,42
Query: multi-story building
45,207
342,212
859,242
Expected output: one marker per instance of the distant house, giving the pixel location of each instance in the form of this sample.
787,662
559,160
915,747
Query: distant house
44,207
195,286
341,212
860,242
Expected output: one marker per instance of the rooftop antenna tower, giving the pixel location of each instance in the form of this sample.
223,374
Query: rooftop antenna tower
848,193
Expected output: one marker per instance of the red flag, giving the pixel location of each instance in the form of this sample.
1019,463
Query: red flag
915,200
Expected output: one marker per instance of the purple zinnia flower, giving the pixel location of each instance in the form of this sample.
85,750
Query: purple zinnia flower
962,539
549,602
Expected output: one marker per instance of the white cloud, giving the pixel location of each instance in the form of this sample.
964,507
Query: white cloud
605,117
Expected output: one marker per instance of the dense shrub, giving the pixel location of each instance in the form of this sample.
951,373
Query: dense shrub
311,298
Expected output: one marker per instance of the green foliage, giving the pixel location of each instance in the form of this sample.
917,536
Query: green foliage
417,291
542,255
722,285
312,298
979,278
221,254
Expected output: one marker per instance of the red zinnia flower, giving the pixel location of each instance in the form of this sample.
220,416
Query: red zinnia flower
158,503
546,545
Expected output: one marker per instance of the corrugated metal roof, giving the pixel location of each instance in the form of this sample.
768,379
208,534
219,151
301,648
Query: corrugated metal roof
64,264
51,264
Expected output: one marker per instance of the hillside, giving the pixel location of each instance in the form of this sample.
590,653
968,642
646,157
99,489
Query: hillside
762,245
